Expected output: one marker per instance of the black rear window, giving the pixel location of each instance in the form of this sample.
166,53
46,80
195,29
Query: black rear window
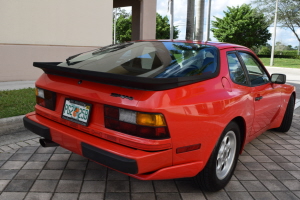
149,59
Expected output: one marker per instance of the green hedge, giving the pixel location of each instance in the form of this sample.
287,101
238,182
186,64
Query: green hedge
279,56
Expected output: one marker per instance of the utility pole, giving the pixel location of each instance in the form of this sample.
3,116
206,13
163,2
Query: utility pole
274,35
200,6
208,21
189,34
115,24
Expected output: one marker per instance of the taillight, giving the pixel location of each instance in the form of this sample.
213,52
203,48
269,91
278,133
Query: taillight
144,125
45,98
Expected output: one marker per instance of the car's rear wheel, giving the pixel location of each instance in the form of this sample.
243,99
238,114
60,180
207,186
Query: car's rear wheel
221,164
288,116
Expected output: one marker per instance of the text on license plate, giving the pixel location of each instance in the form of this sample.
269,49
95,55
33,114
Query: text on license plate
76,111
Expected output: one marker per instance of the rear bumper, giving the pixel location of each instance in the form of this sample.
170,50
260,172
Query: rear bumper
133,162
119,163
114,161
37,128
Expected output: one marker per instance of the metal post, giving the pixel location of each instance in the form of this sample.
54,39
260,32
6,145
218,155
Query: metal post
208,20
195,26
171,19
115,24
299,49
274,35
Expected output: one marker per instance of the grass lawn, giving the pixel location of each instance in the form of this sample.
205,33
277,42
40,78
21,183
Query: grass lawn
16,102
282,62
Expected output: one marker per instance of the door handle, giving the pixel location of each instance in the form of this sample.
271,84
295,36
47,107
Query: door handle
258,98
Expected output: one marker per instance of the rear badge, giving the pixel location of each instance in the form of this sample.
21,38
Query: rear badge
122,96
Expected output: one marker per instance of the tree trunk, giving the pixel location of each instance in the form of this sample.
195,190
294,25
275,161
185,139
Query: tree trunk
189,34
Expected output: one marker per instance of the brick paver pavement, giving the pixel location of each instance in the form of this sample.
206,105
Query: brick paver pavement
269,168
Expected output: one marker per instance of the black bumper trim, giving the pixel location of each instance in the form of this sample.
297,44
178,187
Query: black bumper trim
37,128
108,159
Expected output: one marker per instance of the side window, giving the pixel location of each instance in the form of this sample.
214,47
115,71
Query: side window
257,75
236,71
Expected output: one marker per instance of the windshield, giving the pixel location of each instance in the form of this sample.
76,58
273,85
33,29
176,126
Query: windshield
149,59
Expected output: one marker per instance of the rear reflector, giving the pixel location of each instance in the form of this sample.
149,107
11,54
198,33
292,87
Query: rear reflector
188,148
144,125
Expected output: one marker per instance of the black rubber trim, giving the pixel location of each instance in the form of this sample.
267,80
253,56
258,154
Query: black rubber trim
37,128
108,159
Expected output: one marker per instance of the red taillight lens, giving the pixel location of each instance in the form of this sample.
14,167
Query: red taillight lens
128,128
40,101
111,123
145,125
161,131
45,98
112,112
153,132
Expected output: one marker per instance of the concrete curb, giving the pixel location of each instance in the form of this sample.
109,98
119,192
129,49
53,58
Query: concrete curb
11,125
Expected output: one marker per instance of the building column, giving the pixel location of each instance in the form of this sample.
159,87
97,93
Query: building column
135,27
148,19
143,17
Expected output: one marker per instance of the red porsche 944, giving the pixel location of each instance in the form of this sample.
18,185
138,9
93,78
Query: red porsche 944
161,109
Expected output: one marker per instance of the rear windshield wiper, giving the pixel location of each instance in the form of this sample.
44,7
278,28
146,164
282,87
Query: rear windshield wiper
112,48
71,57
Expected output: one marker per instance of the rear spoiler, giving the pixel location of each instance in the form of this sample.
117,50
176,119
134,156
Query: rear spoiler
139,83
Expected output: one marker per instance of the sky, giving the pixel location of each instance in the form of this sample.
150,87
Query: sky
284,36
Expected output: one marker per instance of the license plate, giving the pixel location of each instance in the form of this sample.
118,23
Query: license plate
77,111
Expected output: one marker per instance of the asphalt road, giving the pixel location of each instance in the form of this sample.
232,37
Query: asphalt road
292,76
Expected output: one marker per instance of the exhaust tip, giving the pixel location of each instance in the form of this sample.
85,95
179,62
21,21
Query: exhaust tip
48,143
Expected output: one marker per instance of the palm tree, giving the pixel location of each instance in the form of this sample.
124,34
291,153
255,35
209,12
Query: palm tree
200,7
189,34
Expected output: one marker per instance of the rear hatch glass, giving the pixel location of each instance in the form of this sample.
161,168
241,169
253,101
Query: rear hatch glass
152,64
149,59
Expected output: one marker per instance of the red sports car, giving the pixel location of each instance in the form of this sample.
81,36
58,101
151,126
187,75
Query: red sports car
161,109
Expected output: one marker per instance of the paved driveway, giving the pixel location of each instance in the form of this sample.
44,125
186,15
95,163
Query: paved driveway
269,168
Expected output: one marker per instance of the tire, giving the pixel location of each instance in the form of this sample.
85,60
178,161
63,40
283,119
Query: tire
222,162
288,116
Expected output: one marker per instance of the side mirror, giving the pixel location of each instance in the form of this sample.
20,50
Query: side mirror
278,78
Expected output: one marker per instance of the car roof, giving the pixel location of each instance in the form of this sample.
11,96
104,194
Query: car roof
219,45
